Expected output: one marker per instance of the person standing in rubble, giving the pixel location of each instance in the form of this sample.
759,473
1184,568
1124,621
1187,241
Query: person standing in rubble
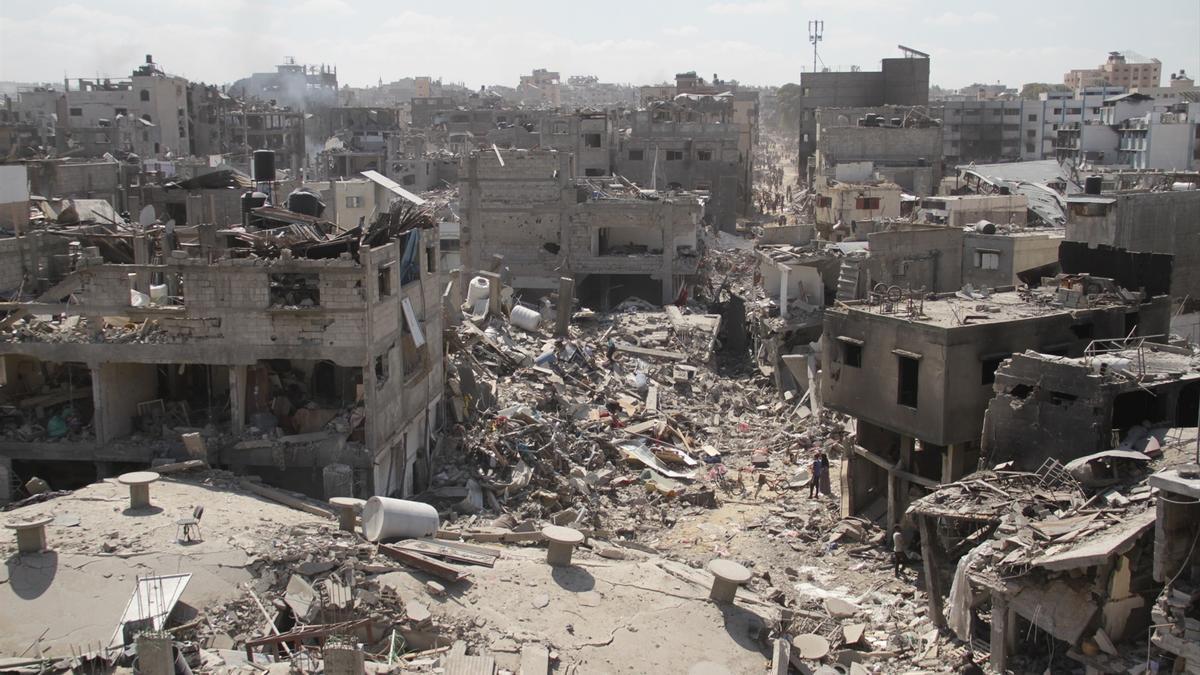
825,488
814,485
897,551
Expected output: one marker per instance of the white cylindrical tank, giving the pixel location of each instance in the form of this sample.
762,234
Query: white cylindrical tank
158,292
386,518
478,289
523,317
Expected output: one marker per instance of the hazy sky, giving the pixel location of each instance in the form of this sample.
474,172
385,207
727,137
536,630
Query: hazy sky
476,42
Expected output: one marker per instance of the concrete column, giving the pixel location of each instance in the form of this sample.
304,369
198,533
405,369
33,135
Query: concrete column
933,581
237,398
452,298
343,659
784,272
155,655
6,480
1003,637
99,393
141,256
953,462
668,260
566,300
494,283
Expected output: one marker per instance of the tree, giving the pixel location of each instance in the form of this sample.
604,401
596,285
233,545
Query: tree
1032,90
789,97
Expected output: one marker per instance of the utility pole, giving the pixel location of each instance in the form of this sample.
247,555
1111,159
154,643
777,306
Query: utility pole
816,31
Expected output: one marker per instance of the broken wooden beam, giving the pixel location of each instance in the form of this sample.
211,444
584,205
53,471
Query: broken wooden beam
424,563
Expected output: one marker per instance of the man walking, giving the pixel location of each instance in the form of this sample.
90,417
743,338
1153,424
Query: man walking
897,551
814,486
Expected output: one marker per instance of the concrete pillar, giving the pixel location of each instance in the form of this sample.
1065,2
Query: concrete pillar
1003,637
566,300
933,580
784,272
953,462
494,284
141,256
6,480
207,232
343,659
338,480
237,398
155,655
668,260
99,409
452,298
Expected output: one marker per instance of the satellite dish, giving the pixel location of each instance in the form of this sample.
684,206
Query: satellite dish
170,226
146,216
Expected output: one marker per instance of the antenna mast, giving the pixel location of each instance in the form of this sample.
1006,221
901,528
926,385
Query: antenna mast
816,32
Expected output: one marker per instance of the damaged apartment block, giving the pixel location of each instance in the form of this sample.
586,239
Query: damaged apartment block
917,374
311,359
615,239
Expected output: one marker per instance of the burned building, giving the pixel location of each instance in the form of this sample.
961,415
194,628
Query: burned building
615,239
1146,222
917,373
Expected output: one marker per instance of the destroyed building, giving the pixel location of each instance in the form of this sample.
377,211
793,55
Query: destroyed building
613,238
902,145
281,347
899,81
917,373
306,88
691,145
1147,221
1055,407
839,207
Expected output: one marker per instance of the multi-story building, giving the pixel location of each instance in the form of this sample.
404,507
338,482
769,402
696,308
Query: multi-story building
541,87
917,374
899,81
1167,139
146,114
1121,70
895,143
297,86
296,367
613,239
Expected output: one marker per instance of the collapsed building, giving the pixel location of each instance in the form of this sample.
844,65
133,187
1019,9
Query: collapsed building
902,145
310,356
917,373
612,238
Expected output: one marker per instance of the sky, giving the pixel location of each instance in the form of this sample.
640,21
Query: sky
760,42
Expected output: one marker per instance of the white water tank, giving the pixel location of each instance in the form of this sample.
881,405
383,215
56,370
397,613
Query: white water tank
523,317
387,518
478,289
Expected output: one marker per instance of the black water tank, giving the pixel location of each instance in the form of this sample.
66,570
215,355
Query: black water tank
305,201
264,166
1092,185
252,200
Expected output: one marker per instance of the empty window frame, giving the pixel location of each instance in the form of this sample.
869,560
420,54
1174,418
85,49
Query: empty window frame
851,351
908,378
384,282
704,155
637,155
866,203
292,289
591,140
674,155
987,259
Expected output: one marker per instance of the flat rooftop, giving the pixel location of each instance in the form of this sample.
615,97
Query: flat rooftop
972,309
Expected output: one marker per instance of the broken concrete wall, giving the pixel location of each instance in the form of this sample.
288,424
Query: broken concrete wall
1015,253
918,259
31,255
1147,222
955,363
1043,409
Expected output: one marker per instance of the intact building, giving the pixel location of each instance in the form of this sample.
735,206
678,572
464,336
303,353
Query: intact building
1122,70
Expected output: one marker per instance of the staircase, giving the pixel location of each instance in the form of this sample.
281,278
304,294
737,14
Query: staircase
847,288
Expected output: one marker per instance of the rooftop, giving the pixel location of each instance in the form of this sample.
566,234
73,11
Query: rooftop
969,307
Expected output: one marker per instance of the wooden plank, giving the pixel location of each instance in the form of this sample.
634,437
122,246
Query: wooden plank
423,563
652,398
439,550
284,498
656,353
